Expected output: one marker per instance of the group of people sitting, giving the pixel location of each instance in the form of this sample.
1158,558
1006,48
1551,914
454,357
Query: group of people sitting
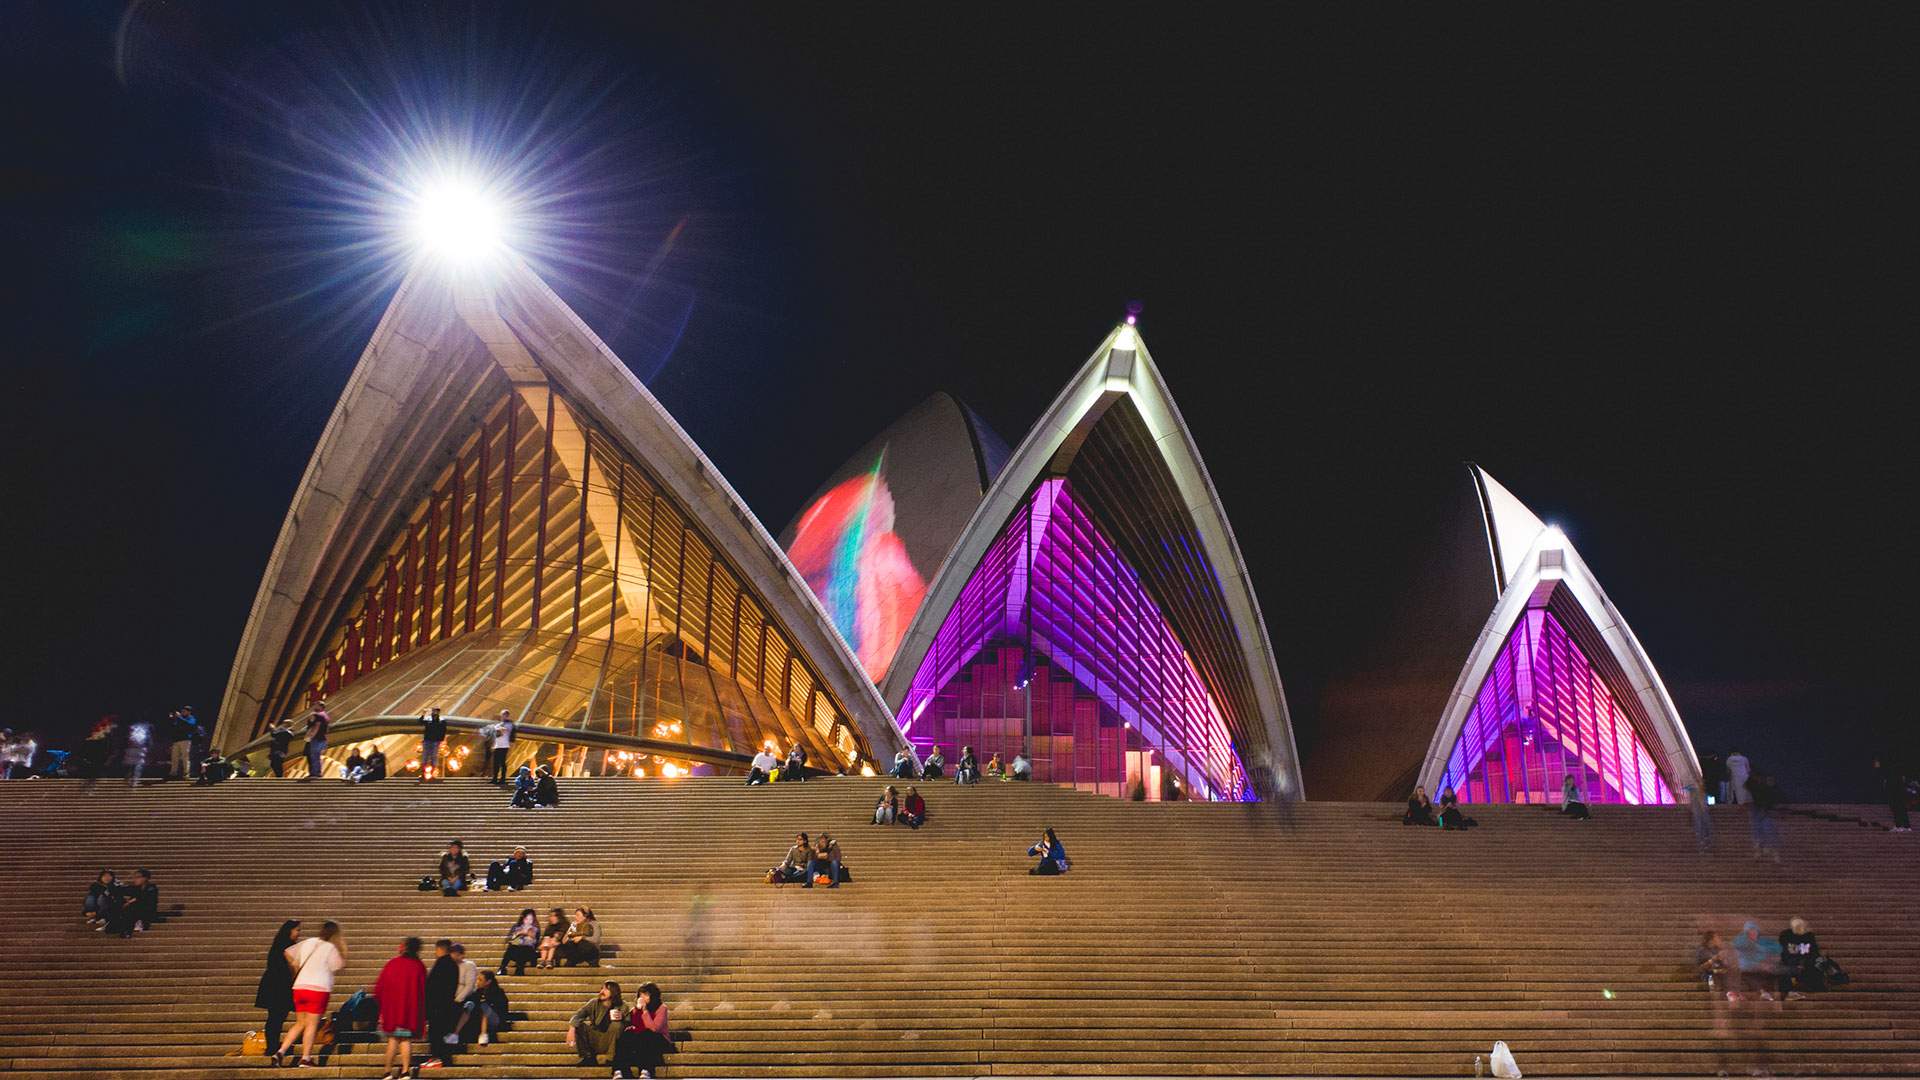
559,941
1792,964
636,1038
767,767
1421,810
455,874
121,907
892,809
907,765
810,862
364,770
533,788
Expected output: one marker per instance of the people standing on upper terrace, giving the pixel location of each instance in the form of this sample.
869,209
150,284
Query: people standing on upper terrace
1739,770
319,722
1419,809
499,738
433,732
279,739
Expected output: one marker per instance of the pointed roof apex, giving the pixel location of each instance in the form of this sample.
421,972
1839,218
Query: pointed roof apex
1511,527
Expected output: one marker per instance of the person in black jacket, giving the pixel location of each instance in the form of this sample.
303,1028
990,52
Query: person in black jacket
99,904
1419,809
484,1011
275,994
515,873
433,732
135,905
456,872
279,739
546,790
1799,959
443,1012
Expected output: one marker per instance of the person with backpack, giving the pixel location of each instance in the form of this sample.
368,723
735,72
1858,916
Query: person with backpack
275,991
314,962
433,732
401,990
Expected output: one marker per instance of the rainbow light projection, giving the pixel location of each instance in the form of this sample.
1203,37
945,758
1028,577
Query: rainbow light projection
1544,711
1108,677
847,550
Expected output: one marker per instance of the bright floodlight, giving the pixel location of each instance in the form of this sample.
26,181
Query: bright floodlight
458,222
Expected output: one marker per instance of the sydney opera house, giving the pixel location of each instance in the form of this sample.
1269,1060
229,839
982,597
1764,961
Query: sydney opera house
500,518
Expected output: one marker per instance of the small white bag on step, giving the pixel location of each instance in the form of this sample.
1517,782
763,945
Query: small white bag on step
1503,1063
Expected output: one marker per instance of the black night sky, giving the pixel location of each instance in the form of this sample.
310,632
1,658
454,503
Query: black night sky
1656,275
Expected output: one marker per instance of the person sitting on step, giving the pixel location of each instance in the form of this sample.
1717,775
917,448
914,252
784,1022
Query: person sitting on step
99,902
887,810
595,1026
515,873
824,862
134,906
1021,769
1710,960
1571,803
646,1040
795,767
1451,816
456,871
524,785
581,945
376,768
484,1010
546,790
968,771
354,768
523,944
1419,809
794,867
903,766
1052,853
762,769
1799,960
552,934
935,767
996,769
913,812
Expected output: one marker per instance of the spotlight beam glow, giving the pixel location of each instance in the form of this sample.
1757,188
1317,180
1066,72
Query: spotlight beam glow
458,222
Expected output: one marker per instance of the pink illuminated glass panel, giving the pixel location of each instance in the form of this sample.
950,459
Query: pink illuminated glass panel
1115,698
1543,712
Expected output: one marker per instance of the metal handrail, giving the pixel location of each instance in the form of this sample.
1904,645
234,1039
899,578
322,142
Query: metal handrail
374,726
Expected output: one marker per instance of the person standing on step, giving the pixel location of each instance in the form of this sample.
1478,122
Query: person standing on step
1702,821
319,723
523,944
443,979
1052,853
1890,784
279,740
595,1027
646,1039
433,732
1763,798
275,992
1739,771
180,730
500,745
401,990
913,812
315,961
134,755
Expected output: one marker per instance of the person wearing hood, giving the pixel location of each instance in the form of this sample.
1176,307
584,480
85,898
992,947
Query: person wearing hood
546,790
1756,960
275,992
524,786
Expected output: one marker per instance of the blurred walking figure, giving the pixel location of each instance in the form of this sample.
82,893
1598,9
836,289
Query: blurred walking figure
135,754
1702,822
1763,797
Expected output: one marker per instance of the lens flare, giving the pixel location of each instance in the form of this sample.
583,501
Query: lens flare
458,222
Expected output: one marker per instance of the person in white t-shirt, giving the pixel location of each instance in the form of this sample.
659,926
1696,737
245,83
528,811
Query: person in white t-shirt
499,745
763,765
314,961
464,987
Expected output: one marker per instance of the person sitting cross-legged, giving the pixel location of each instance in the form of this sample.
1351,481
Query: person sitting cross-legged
1052,853
456,871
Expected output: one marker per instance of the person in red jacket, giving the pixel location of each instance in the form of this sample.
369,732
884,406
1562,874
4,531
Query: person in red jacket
402,992
647,1039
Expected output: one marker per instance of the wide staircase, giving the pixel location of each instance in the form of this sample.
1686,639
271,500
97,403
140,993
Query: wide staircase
1320,939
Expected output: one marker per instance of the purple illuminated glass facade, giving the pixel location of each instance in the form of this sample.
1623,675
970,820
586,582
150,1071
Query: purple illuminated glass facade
1055,649
1543,712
